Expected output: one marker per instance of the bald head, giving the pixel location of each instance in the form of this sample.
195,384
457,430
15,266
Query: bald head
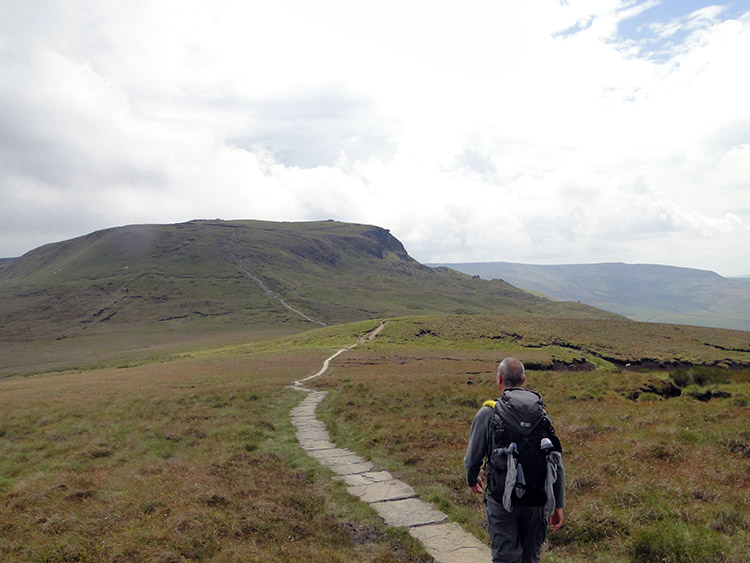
510,373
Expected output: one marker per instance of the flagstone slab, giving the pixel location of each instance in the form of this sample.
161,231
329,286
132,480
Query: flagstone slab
306,429
350,460
306,414
365,478
312,435
336,456
308,422
352,468
318,445
408,512
450,543
303,420
385,490
333,453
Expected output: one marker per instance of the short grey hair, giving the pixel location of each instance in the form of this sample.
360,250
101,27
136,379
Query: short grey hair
511,372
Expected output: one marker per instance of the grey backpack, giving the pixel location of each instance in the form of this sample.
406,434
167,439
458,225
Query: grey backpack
521,441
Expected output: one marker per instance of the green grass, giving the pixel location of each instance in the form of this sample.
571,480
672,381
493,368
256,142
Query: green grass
675,542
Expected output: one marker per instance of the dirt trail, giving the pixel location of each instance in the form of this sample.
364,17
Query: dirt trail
264,288
395,501
372,334
364,338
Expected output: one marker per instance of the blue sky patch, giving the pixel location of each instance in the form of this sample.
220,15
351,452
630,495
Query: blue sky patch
663,25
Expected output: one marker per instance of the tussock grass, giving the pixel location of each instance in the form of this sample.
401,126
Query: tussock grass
700,375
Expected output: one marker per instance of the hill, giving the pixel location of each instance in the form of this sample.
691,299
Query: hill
642,292
143,286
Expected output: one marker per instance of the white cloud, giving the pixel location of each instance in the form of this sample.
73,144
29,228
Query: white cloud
485,131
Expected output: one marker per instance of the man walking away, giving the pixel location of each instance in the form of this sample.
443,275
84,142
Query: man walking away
525,476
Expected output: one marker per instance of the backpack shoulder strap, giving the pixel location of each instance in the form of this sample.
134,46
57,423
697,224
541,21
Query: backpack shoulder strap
494,424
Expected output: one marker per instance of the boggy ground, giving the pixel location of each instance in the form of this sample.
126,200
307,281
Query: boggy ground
651,479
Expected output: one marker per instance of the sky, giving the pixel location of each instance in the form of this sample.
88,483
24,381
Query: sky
541,132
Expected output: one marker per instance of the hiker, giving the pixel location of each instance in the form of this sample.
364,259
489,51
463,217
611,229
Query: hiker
525,478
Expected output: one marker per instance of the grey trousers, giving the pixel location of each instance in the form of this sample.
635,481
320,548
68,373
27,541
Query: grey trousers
516,536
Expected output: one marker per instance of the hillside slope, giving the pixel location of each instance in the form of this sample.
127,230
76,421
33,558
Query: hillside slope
219,274
642,292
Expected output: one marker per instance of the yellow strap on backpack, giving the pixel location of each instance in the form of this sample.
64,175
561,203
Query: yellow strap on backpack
490,404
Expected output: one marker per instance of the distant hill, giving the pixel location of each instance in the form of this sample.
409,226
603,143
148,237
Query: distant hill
220,274
642,292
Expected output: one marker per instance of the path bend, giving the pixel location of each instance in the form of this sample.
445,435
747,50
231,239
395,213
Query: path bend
395,501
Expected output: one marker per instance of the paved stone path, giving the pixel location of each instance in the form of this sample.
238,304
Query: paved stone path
395,501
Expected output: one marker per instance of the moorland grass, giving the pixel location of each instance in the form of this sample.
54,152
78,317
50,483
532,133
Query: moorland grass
187,460
601,342
192,456
129,346
661,480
